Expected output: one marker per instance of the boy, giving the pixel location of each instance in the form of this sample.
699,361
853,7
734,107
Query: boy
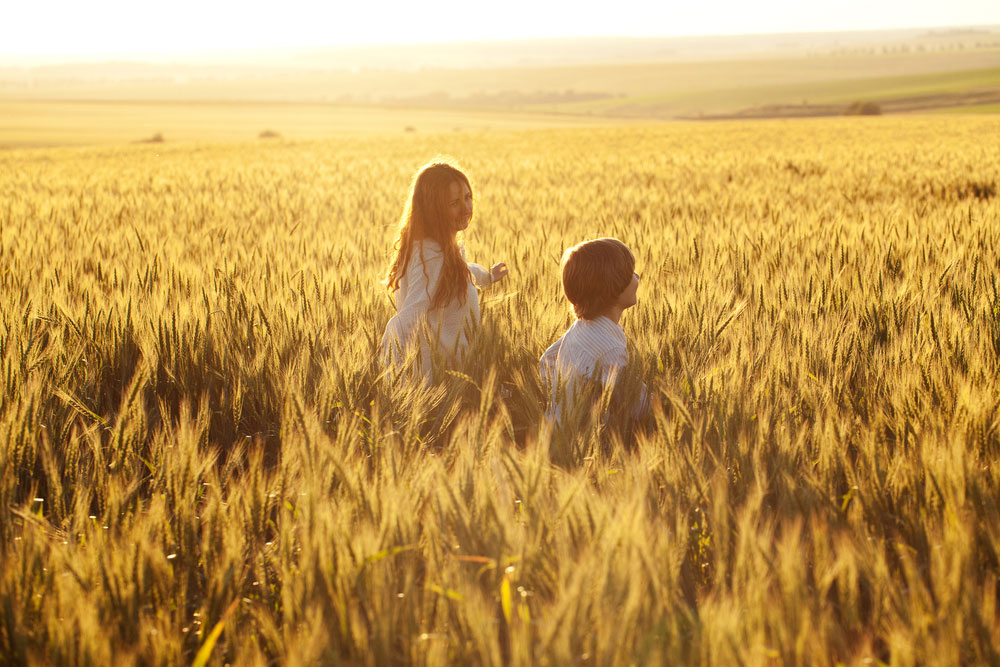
599,279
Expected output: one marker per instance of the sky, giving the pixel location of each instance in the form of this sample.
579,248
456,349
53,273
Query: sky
136,27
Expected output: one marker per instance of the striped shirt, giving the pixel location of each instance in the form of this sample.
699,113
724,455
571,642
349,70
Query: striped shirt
590,349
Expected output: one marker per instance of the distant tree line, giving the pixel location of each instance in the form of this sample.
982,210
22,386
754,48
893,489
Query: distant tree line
504,98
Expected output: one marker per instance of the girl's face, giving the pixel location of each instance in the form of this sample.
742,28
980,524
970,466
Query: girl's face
460,204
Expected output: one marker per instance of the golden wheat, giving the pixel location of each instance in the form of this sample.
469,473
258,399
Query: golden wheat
195,438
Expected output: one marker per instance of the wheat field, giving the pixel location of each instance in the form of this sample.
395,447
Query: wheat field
200,462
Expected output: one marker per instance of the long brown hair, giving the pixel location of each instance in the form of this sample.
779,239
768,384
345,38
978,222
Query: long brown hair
427,216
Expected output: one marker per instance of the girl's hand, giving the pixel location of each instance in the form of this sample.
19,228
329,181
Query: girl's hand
499,271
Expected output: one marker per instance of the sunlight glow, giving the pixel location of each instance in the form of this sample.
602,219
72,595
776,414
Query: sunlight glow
122,27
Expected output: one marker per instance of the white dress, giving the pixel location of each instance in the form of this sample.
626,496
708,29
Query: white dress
416,324
589,350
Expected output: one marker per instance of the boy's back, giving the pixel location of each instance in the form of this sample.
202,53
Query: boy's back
590,350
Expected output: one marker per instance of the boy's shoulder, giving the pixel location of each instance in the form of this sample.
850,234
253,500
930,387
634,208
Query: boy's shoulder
599,328
597,336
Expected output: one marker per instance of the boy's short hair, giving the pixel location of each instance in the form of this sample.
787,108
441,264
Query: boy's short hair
595,273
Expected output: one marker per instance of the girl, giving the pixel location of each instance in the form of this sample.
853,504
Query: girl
431,282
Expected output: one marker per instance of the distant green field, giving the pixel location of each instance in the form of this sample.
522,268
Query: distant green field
981,108
733,97
942,82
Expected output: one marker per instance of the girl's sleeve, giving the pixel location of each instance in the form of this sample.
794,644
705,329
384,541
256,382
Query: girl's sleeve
481,276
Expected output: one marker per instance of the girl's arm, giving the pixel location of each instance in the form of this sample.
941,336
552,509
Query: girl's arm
480,275
483,277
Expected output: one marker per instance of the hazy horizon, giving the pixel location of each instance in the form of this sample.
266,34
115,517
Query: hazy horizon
116,30
617,47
